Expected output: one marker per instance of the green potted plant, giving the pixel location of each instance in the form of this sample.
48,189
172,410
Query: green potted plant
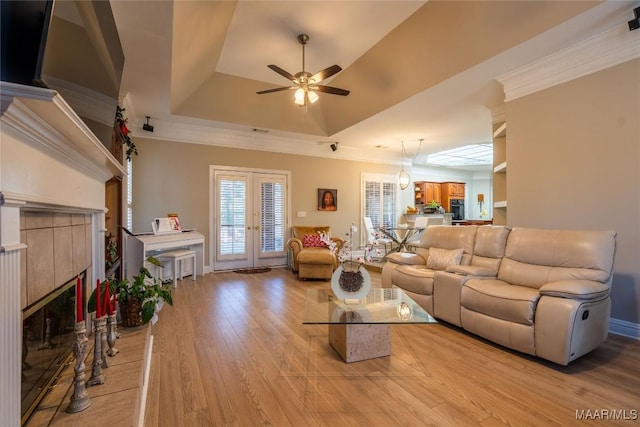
139,299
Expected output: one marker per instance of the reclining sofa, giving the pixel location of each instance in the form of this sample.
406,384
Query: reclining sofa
538,291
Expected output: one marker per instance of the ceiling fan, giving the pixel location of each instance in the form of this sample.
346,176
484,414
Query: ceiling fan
305,84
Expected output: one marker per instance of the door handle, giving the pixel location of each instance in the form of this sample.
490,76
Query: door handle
257,227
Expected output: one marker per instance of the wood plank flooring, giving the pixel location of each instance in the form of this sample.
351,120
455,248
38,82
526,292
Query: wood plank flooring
233,351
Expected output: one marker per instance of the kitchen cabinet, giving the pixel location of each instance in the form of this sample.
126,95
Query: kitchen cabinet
425,192
453,189
419,193
433,192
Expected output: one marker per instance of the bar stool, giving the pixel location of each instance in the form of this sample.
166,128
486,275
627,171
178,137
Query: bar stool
178,257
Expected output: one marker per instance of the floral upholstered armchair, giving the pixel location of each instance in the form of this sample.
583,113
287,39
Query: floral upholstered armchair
309,255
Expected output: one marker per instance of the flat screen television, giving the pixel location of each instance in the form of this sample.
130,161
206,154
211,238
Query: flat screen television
72,47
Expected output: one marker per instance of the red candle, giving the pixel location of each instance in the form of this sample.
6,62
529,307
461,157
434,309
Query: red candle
107,299
98,315
79,308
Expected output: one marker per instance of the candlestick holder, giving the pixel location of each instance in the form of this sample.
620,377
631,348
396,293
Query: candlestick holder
103,344
97,376
112,325
80,397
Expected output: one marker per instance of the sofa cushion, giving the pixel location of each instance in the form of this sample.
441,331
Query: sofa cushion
501,300
313,241
534,257
448,237
316,256
413,278
439,259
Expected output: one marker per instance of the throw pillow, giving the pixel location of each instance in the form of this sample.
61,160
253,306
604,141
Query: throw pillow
313,241
439,259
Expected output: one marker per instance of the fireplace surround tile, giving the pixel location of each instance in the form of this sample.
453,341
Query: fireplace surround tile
40,263
35,220
63,253
61,219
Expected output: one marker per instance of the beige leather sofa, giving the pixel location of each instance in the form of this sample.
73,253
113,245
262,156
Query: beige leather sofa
312,262
538,291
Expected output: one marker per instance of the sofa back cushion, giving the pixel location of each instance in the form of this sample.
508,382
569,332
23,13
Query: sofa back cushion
534,257
489,247
299,231
448,237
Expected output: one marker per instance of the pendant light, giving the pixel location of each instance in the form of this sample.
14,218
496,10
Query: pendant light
403,176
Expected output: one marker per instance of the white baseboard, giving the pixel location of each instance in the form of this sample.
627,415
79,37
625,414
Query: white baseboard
622,327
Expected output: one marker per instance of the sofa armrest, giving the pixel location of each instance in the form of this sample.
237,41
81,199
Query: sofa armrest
406,258
583,290
295,245
471,270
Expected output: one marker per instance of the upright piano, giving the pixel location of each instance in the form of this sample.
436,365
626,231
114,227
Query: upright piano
139,247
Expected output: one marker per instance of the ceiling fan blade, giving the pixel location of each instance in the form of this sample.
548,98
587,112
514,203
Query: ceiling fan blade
278,89
331,90
326,73
282,72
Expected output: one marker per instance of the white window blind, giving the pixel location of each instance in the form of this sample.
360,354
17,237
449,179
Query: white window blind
273,217
232,216
380,200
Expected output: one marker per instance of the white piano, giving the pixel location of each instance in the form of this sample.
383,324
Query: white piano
139,247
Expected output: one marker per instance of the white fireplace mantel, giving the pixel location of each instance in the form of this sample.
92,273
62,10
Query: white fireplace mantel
49,160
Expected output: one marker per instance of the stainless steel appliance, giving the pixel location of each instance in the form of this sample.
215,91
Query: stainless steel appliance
456,207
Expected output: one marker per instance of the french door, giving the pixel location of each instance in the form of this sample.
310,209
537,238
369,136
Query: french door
249,218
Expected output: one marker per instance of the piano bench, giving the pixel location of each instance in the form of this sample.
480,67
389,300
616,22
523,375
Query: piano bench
178,257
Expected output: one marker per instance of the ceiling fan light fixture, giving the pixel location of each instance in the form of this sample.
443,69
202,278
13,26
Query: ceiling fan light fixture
313,97
298,96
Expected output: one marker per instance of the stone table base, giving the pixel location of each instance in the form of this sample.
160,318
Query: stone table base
356,342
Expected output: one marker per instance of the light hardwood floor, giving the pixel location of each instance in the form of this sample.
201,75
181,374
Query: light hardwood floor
233,351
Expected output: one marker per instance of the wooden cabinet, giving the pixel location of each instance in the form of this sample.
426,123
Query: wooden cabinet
433,192
453,189
419,192
426,192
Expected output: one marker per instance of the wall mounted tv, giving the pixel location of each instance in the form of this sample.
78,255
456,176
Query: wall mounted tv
72,47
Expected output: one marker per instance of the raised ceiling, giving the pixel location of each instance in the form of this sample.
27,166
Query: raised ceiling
416,70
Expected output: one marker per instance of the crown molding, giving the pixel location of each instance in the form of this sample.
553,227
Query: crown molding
177,129
45,119
604,50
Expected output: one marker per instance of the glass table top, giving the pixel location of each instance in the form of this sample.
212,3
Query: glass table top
379,306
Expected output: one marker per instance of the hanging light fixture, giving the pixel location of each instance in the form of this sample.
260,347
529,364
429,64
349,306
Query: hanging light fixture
403,176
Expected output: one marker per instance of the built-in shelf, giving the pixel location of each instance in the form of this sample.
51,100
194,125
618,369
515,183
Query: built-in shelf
501,168
500,204
501,131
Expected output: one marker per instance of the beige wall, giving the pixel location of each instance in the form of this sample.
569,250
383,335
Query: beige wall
174,177
573,154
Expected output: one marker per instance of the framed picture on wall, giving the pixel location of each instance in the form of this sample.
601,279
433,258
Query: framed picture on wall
327,199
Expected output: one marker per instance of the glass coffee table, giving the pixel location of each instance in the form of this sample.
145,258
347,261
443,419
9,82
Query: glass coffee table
359,329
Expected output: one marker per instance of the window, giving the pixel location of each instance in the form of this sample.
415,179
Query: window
273,217
129,195
380,195
232,215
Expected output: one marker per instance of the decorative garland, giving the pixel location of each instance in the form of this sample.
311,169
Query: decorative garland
121,121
